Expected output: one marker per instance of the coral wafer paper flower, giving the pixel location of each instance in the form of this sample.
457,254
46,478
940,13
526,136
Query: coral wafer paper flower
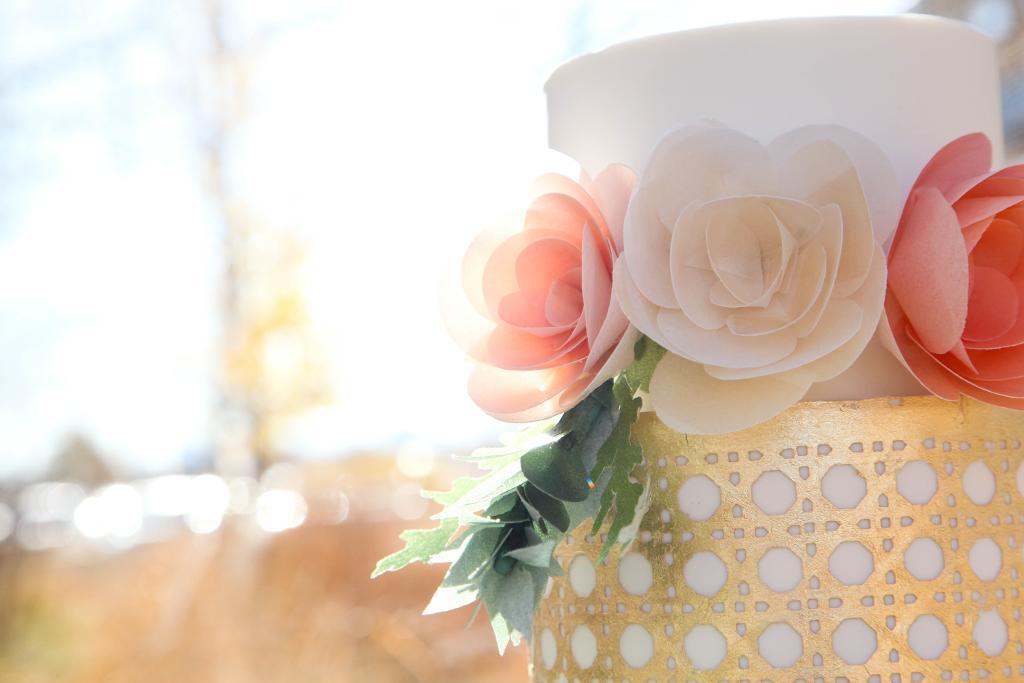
955,301
757,267
542,323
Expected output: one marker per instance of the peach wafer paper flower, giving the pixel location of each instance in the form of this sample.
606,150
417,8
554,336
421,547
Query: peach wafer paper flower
536,312
758,267
955,300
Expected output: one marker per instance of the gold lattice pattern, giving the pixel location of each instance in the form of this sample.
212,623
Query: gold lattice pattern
877,540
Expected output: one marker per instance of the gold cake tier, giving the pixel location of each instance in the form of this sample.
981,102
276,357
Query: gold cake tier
875,540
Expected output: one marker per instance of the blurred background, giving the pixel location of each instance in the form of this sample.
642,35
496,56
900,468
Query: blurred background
223,377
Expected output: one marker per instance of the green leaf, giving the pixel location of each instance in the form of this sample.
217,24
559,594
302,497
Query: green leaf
620,455
477,552
551,509
580,418
556,471
460,487
534,555
447,598
503,505
646,353
510,602
494,485
420,546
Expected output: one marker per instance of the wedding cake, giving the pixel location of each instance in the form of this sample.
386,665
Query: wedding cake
769,335
844,539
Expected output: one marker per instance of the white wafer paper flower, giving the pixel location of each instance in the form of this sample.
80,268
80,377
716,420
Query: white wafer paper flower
757,267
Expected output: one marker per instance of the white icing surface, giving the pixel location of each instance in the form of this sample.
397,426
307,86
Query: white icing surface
705,647
923,559
928,637
914,85
780,569
1020,479
986,559
705,573
917,482
548,649
699,498
979,483
583,644
854,641
636,646
635,573
990,633
582,575
773,492
780,645
851,563
844,486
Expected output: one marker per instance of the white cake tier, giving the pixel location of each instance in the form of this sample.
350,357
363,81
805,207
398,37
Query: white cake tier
909,83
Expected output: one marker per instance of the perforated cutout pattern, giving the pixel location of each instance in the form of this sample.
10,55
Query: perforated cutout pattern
855,626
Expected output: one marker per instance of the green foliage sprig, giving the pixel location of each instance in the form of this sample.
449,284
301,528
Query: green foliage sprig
499,531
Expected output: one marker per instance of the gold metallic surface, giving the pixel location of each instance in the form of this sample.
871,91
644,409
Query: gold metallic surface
877,437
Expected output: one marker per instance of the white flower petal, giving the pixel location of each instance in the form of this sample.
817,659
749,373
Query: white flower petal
876,172
640,311
645,243
689,400
709,164
692,277
841,322
872,299
792,308
830,239
722,347
822,173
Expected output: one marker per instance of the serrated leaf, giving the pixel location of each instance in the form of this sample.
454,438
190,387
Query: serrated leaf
550,509
460,487
628,533
497,483
534,555
620,455
556,471
420,546
646,354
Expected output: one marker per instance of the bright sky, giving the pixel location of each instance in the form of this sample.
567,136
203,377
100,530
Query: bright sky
384,132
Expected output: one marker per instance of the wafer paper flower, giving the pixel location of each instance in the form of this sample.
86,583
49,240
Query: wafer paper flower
955,302
544,326
757,267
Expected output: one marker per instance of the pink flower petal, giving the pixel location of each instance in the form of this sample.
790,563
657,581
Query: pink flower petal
956,164
611,190
503,393
1000,247
512,349
974,232
542,262
564,303
976,209
597,284
928,270
559,214
557,188
614,325
993,305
